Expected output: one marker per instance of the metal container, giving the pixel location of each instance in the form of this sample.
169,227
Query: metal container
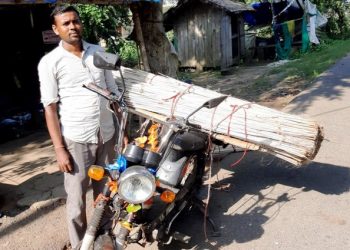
166,134
133,153
150,159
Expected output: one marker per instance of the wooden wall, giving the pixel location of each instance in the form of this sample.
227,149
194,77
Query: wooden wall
226,42
204,37
198,35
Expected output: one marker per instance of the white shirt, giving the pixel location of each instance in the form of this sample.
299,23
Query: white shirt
82,113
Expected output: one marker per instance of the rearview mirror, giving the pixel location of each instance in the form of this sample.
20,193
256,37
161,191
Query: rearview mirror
104,60
212,103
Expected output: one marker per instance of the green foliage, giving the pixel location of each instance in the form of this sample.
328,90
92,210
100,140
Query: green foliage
170,35
265,32
128,53
100,22
338,25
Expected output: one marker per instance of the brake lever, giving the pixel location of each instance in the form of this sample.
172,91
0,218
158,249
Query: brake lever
111,96
196,126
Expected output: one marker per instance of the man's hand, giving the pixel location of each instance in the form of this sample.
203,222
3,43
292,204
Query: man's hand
53,125
64,160
125,141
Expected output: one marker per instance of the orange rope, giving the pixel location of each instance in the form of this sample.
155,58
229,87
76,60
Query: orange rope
235,108
246,139
175,99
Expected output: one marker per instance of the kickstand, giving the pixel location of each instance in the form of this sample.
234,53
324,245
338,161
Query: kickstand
201,206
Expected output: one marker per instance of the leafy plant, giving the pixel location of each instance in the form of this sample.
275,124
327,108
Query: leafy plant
128,53
101,22
338,25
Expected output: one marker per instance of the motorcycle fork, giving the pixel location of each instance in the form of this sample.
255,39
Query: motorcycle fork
122,231
122,127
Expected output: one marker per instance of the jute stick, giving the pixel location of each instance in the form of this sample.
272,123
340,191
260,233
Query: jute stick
234,121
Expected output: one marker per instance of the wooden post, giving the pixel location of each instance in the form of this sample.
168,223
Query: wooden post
139,37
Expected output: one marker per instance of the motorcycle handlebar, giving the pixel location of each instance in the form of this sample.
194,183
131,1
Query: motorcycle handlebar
103,92
177,125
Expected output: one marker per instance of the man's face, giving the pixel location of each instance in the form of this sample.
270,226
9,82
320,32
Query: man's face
68,27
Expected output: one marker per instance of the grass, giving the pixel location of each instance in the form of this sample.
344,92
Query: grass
306,66
300,72
285,80
310,65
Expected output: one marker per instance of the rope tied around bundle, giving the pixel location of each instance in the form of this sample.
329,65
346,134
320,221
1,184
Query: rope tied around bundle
235,108
175,99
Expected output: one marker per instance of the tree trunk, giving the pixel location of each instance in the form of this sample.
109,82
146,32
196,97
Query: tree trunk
157,46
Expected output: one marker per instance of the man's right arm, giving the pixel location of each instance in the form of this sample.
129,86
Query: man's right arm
49,98
53,125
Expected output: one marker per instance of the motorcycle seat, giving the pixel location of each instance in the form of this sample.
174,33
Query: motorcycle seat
190,141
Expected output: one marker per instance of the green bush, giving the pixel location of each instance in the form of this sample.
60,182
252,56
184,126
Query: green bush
101,21
128,53
338,25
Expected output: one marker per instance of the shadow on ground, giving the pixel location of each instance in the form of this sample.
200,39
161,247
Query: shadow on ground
241,210
331,85
15,199
24,179
29,217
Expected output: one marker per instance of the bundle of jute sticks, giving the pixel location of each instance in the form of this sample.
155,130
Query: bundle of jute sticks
234,121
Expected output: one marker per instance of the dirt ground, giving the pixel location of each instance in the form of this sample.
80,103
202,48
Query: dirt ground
29,179
254,83
33,155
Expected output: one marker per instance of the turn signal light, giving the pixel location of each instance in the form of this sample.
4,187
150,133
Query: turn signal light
167,196
133,208
96,172
113,186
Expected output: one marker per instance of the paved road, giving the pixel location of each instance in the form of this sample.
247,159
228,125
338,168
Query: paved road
261,204
271,205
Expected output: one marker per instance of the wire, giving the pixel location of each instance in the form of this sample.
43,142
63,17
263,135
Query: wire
284,10
210,150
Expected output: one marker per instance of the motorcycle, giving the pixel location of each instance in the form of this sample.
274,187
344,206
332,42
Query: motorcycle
153,179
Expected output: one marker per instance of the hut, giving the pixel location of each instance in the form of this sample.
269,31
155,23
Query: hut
208,33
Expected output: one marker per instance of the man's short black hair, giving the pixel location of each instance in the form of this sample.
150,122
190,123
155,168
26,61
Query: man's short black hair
60,9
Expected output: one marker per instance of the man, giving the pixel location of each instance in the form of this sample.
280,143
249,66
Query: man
80,126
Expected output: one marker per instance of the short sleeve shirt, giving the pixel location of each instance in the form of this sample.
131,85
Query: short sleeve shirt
82,113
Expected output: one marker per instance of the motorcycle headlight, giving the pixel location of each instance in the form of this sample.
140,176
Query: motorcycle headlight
136,184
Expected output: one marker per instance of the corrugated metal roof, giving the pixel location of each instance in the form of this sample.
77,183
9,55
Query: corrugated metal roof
15,2
231,6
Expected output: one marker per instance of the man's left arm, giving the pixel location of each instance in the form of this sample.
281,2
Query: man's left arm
112,86
110,82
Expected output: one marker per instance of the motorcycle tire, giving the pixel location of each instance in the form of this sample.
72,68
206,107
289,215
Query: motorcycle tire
104,242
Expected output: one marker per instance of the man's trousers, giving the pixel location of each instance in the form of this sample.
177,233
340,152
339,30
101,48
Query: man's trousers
76,183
